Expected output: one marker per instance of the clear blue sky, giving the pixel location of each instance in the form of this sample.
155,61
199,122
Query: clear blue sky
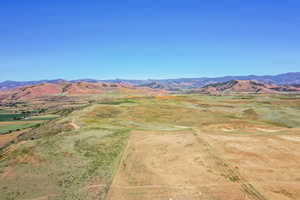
139,39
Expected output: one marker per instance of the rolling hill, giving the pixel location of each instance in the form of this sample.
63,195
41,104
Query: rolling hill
70,88
246,86
172,84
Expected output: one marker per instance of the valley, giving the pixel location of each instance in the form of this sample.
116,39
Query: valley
149,100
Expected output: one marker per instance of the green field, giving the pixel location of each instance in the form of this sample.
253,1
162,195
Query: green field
2,111
43,117
11,116
15,127
19,119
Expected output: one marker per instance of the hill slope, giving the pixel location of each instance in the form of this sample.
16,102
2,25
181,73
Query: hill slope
246,86
70,88
173,84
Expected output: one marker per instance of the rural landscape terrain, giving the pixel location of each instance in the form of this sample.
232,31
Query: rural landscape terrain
149,100
110,140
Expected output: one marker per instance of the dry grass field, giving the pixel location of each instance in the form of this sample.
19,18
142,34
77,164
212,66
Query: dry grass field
177,147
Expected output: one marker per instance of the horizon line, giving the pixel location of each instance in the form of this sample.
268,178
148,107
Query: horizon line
143,79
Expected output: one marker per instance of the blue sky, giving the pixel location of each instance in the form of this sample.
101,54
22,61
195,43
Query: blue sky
140,39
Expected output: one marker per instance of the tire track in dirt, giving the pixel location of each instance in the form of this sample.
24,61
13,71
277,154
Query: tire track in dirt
148,156
142,190
229,173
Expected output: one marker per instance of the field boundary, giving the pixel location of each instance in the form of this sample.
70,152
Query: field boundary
118,168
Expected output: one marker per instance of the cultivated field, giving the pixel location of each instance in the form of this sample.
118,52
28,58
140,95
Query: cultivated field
14,123
182,147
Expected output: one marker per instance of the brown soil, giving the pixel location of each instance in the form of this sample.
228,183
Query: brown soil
7,138
188,165
68,88
8,172
14,122
242,126
29,159
247,86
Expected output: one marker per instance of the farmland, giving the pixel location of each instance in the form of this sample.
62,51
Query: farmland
16,126
13,122
165,147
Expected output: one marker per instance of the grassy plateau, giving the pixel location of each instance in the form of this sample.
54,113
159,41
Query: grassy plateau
163,147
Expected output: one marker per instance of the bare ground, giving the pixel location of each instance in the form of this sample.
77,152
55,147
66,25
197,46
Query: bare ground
7,138
188,165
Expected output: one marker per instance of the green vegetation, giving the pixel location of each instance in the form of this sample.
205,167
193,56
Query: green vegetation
2,111
67,162
76,157
43,117
18,121
11,116
16,127
117,102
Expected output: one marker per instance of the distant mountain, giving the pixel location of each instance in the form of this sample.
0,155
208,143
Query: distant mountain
6,85
162,85
192,83
174,84
71,88
296,85
245,86
155,85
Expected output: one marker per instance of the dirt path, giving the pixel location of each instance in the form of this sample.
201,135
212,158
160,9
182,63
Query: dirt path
74,125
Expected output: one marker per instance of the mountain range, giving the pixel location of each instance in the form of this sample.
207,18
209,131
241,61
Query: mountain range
64,88
292,78
246,86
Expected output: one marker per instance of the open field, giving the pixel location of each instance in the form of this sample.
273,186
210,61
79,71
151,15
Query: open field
13,122
43,117
17,126
194,165
179,147
5,139
11,116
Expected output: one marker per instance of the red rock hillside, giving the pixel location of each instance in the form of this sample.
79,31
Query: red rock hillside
247,86
68,88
